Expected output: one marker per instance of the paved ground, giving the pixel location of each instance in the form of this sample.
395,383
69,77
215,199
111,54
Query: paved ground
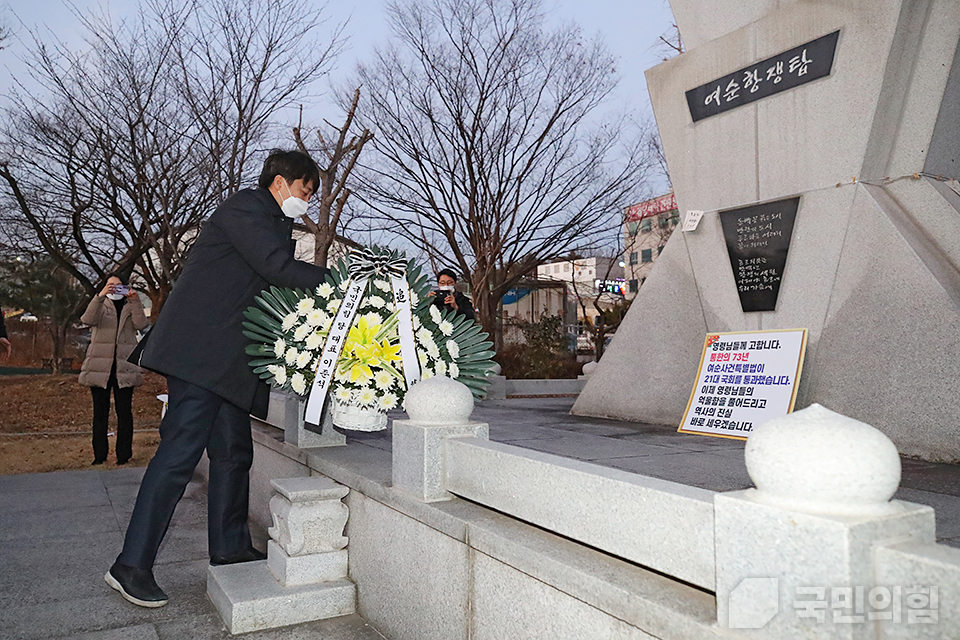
61,531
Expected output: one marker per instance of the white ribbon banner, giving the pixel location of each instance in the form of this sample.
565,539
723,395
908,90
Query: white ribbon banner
364,264
408,349
336,338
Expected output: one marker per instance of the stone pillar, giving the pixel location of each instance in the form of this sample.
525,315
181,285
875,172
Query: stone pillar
286,411
306,540
439,408
304,577
795,556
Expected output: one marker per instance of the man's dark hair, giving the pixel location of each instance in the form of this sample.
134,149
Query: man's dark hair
124,278
292,165
448,272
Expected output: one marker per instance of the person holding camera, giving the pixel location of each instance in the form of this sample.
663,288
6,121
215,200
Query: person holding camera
114,316
447,297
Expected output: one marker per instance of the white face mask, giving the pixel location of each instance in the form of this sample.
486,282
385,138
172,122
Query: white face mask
447,288
114,296
292,207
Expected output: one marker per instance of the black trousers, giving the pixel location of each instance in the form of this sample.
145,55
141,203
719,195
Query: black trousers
123,402
196,419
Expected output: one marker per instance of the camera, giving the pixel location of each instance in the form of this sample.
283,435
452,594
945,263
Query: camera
121,289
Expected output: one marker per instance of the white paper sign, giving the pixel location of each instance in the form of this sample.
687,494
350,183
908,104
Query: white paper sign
744,380
692,220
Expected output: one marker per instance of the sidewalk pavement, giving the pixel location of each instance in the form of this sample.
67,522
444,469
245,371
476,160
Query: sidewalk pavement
61,531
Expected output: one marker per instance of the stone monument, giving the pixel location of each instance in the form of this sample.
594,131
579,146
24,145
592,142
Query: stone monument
871,147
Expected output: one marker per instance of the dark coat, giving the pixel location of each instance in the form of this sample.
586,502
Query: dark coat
242,249
464,305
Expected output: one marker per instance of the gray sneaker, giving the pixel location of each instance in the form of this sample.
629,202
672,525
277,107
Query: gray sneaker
136,585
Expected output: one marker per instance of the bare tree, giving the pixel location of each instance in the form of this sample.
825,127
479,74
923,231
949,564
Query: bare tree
485,154
5,34
140,136
339,158
669,44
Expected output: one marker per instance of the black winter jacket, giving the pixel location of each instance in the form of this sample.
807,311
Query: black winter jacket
242,249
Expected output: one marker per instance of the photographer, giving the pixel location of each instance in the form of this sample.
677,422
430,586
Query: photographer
114,315
447,297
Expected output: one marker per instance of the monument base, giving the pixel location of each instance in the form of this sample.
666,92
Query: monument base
249,598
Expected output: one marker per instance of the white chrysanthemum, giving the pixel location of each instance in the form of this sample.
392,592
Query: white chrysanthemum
422,357
426,373
414,298
317,317
280,375
383,285
372,318
290,320
453,371
366,396
382,380
387,402
433,350
435,314
279,348
333,306
344,285
325,290
453,349
416,322
274,369
441,368
299,383
446,327
424,335
302,332
291,355
342,394
376,302
304,359
342,376
304,306
314,341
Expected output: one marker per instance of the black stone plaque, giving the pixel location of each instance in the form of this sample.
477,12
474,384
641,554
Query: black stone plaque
757,241
765,78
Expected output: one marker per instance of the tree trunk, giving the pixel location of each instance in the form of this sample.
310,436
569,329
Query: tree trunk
487,315
321,247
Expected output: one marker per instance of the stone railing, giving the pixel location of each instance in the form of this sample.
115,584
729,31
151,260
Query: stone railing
819,539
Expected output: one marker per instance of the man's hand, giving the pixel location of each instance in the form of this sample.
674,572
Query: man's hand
5,349
451,301
107,289
132,294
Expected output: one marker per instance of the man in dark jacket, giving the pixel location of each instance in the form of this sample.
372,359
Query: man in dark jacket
198,343
447,297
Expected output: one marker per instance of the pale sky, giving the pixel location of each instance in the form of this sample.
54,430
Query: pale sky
630,29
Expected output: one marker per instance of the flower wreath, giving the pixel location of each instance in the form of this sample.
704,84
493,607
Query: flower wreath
289,330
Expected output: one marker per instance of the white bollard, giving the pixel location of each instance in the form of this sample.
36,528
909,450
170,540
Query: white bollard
439,408
801,544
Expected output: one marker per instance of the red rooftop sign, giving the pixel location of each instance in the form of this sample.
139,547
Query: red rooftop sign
650,208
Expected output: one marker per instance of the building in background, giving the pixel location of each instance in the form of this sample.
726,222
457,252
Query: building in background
585,280
646,228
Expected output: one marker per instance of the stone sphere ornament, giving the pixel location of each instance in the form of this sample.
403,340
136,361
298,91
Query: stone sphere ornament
439,400
818,461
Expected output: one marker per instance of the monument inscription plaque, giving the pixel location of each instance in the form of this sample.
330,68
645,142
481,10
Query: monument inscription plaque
758,238
765,78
